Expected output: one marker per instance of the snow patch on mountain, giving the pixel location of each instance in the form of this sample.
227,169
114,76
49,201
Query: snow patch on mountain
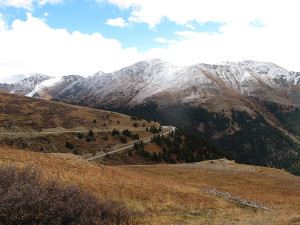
26,85
46,83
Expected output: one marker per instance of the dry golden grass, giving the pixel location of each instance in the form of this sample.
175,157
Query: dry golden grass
56,143
22,119
122,158
20,113
173,194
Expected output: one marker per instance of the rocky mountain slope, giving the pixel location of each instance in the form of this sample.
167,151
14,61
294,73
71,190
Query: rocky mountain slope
26,85
216,86
50,88
38,85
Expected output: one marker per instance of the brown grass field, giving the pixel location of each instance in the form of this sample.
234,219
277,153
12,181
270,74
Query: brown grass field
173,194
24,114
23,118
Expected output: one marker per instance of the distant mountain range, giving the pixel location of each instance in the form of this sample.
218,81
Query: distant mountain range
216,86
253,102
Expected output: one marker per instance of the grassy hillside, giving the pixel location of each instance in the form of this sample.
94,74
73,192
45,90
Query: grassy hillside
180,194
45,126
19,113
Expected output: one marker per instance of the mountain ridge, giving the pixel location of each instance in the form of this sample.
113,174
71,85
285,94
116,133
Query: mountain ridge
152,77
248,108
156,80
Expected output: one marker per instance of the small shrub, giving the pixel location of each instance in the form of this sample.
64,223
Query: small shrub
126,133
26,199
123,139
105,138
91,133
80,136
135,137
71,146
135,124
130,153
115,132
118,122
94,121
133,118
88,139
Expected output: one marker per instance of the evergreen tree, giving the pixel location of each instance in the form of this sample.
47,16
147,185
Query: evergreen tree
91,133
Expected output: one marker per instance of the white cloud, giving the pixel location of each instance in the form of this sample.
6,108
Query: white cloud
46,14
161,40
118,22
165,41
43,2
234,43
182,11
190,26
252,29
33,46
27,4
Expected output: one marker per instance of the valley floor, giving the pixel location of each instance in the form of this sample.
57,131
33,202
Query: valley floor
177,194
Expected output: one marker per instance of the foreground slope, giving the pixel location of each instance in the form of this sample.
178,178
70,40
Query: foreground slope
179,194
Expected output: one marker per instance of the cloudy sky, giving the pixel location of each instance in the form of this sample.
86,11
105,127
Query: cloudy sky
61,37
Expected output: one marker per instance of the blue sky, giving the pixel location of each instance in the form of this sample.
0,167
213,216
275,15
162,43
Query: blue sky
59,37
90,17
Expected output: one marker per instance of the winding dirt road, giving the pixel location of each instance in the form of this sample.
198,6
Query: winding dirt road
130,146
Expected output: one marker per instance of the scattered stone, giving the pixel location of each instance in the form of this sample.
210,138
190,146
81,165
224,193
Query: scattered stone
236,199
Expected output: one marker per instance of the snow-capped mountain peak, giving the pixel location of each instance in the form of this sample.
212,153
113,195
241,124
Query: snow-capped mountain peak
159,81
